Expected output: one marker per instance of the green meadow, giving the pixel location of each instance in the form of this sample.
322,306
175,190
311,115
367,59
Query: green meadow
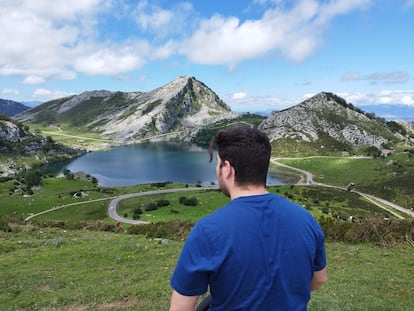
74,257
390,178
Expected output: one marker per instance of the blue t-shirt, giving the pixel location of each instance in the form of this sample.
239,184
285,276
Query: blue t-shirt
256,253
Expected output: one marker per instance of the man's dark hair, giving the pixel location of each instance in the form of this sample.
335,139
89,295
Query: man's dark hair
248,151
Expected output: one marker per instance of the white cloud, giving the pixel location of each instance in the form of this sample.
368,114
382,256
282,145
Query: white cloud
157,20
32,80
39,37
395,97
351,76
54,39
177,20
242,102
114,59
392,77
59,9
331,9
408,4
389,77
12,92
49,94
226,41
239,95
58,39
294,33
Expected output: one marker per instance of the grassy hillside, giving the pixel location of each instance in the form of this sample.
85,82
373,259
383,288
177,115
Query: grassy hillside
56,269
76,137
390,178
204,136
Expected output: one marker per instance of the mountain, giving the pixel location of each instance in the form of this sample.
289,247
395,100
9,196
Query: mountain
178,109
21,148
326,122
187,110
11,108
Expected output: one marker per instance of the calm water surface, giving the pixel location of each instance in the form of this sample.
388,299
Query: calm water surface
146,163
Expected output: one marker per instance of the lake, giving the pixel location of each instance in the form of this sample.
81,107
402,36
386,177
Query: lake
151,162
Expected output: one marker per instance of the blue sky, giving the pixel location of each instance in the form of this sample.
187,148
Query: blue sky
257,55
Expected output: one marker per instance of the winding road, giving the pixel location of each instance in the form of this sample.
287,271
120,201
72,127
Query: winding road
306,179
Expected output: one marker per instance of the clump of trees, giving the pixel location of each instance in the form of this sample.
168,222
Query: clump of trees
152,206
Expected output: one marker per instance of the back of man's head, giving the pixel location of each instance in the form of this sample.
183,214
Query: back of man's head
248,151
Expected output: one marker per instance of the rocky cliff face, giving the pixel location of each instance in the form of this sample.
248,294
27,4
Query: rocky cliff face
17,142
326,114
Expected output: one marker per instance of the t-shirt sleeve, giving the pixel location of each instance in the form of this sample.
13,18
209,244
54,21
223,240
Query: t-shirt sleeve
320,254
191,274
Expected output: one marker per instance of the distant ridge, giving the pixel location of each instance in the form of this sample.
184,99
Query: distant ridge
11,108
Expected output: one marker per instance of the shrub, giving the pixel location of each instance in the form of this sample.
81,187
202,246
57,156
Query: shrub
137,213
188,201
162,203
150,207
378,230
173,230
4,226
325,210
160,184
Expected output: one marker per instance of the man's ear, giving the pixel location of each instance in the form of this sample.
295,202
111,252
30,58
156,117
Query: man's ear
227,169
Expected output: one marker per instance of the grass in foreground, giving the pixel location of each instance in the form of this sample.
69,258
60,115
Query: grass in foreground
53,269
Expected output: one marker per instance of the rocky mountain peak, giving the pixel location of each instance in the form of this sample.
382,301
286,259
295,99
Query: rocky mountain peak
326,115
181,106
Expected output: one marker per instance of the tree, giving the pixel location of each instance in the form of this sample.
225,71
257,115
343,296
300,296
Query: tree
373,151
68,174
137,213
32,178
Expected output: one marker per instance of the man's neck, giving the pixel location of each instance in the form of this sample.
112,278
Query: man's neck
247,190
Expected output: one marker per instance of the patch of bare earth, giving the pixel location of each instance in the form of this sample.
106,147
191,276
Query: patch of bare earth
119,304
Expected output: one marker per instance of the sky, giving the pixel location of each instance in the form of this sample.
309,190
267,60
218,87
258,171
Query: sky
257,55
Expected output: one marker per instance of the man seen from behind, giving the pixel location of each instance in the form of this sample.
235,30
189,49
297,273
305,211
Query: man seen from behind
260,251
